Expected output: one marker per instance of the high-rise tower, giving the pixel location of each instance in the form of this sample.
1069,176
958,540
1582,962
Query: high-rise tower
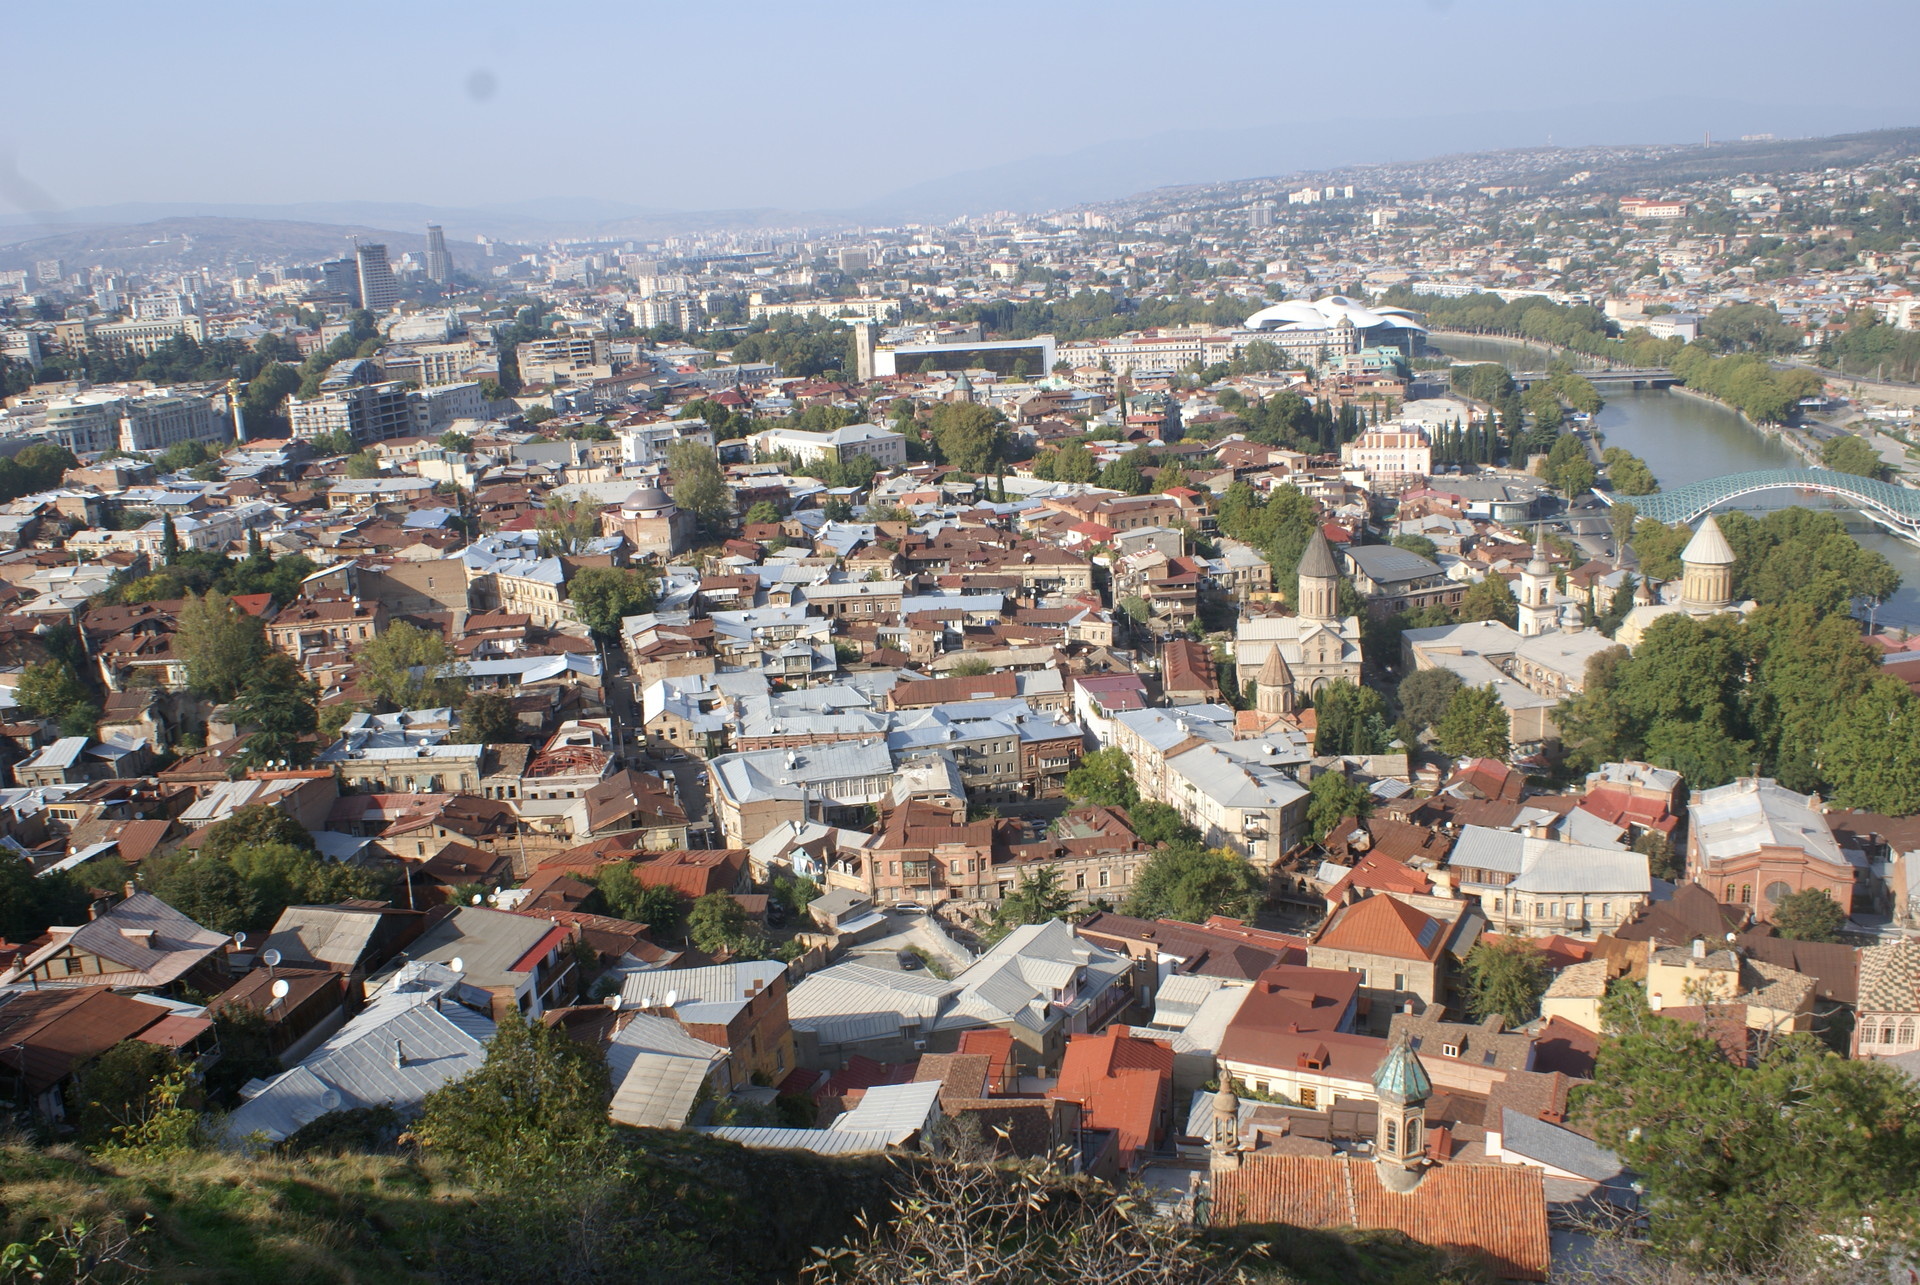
439,262
378,289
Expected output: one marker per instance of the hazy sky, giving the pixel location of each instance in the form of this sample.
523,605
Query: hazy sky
808,105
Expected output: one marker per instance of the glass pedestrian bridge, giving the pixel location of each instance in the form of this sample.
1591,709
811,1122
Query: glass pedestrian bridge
1896,507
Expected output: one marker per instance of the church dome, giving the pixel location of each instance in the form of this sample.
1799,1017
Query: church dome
1709,546
647,502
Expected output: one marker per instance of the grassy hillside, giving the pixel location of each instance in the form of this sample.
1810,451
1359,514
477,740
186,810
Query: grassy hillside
696,1212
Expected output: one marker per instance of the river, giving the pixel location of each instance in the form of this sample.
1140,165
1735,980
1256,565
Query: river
1686,439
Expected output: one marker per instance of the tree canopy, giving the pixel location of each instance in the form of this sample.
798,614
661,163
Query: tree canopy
1474,726
1186,881
1506,976
409,668
1728,1152
221,645
603,596
1104,777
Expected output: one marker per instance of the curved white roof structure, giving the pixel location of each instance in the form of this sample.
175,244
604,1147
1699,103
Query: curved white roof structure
1324,314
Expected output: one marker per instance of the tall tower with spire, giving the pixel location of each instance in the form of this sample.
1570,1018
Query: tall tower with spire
1402,1086
1319,596
1707,581
1537,612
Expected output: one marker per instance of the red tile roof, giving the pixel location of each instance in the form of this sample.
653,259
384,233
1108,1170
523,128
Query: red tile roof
1122,1082
1381,925
1499,1211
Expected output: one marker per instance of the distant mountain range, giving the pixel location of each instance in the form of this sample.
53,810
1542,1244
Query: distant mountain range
125,234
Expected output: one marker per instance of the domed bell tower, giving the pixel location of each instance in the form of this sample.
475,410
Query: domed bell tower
1537,612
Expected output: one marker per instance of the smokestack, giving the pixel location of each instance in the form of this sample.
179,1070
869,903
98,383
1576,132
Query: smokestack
399,1055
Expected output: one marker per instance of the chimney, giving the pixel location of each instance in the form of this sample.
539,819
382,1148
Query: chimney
1699,947
399,1055
127,888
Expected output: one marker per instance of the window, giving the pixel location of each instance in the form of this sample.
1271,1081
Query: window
1103,878
1450,1050
1080,880
1906,1031
1777,892
1399,981
1390,1136
1309,1097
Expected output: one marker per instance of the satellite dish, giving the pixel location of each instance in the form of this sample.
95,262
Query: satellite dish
280,988
671,997
1732,937
239,939
477,899
271,957
458,965
613,1001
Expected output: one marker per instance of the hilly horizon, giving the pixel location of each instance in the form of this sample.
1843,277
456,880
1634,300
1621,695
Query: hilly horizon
120,235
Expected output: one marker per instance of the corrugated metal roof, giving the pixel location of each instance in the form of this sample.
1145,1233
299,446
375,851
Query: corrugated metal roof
895,1110
822,1141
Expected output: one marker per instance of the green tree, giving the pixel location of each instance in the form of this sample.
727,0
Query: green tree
1417,544
169,541
249,826
661,908
1868,748
114,1092
50,689
1724,1148
1125,475
1490,599
1349,720
211,893
29,903
364,465
1474,726
277,709
538,415
1620,522
1188,882
1628,474
1105,778
1425,694
1332,798
1158,824
487,718
970,667
536,1111
762,513
601,597
699,487
1850,454
1074,463
1809,915
221,645
719,922
1038,898
969,436
1506,977
409,668
568,526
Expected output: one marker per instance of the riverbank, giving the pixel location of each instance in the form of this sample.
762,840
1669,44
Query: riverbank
1782,433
